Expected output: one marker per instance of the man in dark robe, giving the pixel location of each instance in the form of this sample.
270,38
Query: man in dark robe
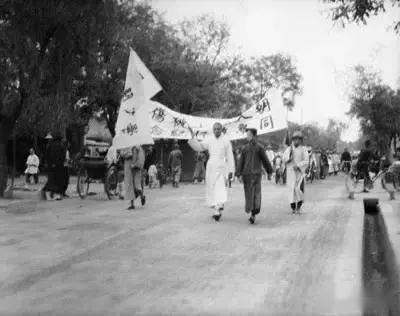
55,158
252,160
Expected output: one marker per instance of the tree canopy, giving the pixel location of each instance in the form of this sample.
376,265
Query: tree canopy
54,54
359,11
377,106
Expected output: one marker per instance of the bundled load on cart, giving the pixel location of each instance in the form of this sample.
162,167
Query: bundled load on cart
93,165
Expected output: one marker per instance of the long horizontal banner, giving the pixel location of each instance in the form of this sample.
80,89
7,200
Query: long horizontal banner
267,116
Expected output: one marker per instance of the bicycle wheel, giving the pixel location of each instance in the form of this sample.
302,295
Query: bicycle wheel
112,183
389,183
82,185
354,184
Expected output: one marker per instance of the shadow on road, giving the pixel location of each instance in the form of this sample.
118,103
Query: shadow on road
380,276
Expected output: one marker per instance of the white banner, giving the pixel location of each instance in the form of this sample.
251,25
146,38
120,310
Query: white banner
267,116
141,120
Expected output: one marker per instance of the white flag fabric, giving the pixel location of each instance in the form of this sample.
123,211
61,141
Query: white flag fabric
133,123
141,120
150,84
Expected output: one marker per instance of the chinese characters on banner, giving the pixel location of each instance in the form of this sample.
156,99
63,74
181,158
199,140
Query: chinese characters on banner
268,115
141,120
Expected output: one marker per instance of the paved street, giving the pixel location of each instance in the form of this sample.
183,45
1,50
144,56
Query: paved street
94,257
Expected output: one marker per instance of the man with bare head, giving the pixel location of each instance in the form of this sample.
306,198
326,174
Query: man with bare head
220,165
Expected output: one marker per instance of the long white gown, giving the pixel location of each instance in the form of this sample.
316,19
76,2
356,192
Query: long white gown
295,180
220,164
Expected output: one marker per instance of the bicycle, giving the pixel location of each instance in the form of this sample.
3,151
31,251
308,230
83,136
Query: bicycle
358,180
346,166
391,180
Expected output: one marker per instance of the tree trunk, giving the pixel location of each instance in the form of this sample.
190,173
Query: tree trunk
5,133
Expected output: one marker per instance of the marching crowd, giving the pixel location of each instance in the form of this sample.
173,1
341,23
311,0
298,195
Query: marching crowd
217,163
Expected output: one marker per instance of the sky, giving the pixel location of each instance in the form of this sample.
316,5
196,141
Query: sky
324,52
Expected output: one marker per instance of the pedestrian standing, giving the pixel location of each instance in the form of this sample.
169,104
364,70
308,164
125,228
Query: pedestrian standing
278,167
200,168
175,165
161,174
296,159
32,167
133,180
113,158
220,163
324,164
55,157
150,159
250,166
67,166
153,177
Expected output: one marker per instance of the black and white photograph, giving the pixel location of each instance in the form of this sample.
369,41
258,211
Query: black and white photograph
200,157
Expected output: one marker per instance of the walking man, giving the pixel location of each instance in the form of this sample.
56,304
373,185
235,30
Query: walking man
219,165
175,165
133,180
250,170
296,158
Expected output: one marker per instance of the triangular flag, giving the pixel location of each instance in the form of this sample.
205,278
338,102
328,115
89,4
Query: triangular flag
150,84
133,123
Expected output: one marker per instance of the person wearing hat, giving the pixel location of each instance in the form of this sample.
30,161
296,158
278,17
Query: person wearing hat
252,160
296,159
220,166
55,158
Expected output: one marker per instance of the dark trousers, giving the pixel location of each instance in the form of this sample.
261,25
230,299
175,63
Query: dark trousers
66,179
252,193
35,178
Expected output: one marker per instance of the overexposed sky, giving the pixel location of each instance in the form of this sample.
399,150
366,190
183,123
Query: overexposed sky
324,53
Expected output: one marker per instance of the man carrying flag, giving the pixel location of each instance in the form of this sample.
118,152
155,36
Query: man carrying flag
296,159
133,125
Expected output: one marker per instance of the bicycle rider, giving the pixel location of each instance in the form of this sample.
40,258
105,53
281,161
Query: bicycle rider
364,159
345,160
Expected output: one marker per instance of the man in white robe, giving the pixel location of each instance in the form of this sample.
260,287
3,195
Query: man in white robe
296,159
219,166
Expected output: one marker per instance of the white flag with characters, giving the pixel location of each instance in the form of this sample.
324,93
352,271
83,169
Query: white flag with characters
133,123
